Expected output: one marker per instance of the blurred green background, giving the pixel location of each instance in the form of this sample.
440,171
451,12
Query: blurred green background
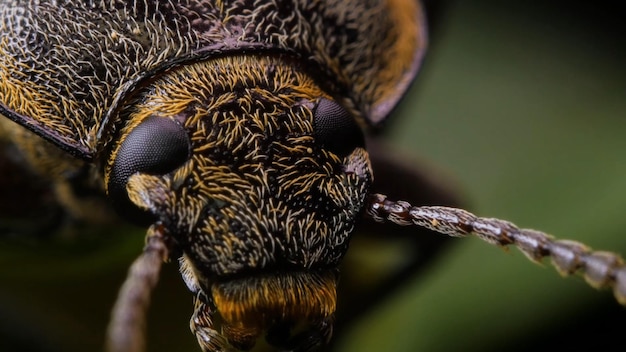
523,105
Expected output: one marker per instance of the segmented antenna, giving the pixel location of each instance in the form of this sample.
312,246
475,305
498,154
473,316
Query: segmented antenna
126,330
600,269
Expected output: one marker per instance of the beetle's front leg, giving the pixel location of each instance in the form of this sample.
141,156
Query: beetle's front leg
201,324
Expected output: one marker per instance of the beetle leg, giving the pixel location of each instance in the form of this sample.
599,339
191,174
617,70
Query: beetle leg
600,269
201,324
325,329
318,335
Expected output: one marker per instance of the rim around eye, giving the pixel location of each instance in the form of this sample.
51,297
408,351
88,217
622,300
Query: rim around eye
156,146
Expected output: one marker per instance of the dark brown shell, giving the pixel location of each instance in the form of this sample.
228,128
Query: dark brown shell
67,66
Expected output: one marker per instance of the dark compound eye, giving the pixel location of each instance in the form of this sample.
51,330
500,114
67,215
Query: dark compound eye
335,128
156,146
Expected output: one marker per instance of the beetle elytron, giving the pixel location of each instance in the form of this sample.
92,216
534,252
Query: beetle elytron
233,130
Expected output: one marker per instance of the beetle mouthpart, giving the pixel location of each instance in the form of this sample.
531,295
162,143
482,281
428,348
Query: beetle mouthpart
251,305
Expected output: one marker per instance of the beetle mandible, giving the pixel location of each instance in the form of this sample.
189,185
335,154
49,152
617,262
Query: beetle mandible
232,130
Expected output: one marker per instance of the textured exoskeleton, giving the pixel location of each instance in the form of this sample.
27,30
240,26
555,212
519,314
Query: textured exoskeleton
233,130
233,127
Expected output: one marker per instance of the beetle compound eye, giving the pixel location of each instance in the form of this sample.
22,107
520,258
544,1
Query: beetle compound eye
156,146
335,128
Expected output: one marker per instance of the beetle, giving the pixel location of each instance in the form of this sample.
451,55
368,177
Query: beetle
141,190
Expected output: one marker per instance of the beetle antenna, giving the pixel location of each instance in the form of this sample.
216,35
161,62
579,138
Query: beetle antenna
126,329
600,269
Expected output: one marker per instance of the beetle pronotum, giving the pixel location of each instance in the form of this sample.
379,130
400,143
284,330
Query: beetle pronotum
239,329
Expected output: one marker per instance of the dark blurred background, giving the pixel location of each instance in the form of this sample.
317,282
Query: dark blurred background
522,106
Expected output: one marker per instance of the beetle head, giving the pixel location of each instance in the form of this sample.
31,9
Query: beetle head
257,177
